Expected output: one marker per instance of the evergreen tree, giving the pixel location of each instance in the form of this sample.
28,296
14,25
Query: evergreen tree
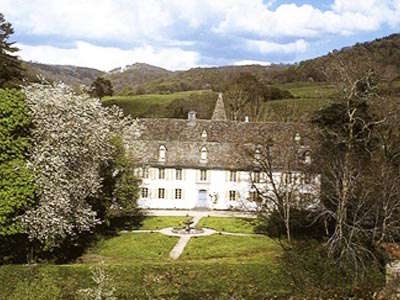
11,71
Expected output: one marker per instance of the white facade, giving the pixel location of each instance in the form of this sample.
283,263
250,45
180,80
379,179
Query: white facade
197,188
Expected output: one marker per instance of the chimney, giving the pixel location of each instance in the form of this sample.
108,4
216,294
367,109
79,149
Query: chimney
192,117
246,119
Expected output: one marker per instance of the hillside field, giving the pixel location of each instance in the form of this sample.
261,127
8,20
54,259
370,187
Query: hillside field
174,105
309,98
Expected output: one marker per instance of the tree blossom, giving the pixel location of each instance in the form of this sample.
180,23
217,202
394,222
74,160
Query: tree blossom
71,140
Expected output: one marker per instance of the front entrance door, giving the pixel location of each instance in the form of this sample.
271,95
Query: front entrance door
202,201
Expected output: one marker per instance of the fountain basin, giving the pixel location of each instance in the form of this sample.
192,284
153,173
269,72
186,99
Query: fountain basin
182,232
188,231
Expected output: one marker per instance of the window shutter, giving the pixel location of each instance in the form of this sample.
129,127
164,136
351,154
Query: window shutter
227,175
183,194
183,174
239,175
237,196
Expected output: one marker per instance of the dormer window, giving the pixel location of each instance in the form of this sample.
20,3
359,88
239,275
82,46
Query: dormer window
203,154
162,154
297,138
257,154
204,134
307,157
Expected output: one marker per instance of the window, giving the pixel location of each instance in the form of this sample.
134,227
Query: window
307,157
307,178
178,194
203,154
257,154
204,134
253,196
203,175
161,173
232,176
232,195
145,192
178,174
162,153
256,177
145,173
161,193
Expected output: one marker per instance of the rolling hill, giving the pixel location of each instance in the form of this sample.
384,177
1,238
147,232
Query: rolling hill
71,75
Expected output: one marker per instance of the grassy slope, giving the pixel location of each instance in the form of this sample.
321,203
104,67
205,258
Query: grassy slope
131,248
310,97
215,267
241,225
222,248
166,106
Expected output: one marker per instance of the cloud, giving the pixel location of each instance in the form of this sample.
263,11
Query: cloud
200,31
247,62
107,58
265,47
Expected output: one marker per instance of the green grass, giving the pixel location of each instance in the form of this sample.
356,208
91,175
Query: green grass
174,105
153,223
146,281
238,249
131,247
310,89
240,225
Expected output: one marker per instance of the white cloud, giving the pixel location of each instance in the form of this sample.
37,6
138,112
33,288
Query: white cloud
247,62
144,20
265,47
107,58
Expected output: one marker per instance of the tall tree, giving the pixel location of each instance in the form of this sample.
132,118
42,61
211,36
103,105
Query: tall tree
11,71
101,87
360,178
16,180
72,140
281,178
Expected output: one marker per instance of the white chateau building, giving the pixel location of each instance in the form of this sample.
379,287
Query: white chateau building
198,163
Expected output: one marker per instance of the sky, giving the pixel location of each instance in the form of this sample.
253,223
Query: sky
183,34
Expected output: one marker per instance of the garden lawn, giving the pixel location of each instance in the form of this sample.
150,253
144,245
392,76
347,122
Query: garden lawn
154,223
235,225
224,248
131,247
201,280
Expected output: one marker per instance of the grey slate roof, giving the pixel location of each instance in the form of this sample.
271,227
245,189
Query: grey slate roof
226,142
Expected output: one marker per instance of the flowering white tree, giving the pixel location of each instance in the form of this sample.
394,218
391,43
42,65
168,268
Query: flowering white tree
71,140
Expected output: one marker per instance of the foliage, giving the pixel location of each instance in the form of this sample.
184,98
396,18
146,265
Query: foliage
72,139
10,66
16,181
245,95
304,224
117,202
101,87
313,275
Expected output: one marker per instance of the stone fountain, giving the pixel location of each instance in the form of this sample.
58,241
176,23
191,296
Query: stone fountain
188,229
